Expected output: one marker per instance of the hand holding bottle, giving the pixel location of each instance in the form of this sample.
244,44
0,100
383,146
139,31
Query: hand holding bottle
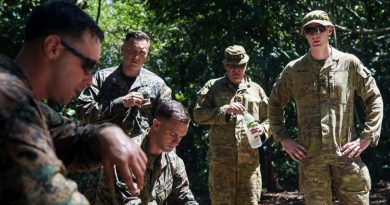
252,129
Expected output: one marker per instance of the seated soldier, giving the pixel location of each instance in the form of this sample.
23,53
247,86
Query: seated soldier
166,180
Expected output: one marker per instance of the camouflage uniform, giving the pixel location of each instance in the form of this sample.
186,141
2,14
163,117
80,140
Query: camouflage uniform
102,102
32,139
234,168
324,99
166,182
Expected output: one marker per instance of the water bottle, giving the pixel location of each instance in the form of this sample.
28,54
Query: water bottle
249,121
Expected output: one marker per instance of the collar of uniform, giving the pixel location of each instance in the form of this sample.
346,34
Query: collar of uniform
162,157
9,65
333,58
138,80
241,86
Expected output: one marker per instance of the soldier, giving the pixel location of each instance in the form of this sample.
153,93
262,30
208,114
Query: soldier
57,60
234,168
166,180
323,83
128,94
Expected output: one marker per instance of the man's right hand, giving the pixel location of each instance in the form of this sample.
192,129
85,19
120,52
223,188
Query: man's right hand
235,108
133,99
296,151
117,149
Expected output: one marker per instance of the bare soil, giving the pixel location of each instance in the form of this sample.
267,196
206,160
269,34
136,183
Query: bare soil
380,195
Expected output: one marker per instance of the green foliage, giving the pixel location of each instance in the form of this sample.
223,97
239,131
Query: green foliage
188,40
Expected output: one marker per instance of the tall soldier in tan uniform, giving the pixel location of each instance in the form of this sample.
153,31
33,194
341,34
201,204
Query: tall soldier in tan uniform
234,168
323,83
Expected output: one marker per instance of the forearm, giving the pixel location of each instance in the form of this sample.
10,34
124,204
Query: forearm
276,121
92,111
210,116
78,146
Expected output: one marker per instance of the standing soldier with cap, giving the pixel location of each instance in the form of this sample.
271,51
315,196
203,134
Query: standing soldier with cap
323,83
234,168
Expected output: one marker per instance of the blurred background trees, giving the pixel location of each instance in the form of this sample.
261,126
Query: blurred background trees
188,42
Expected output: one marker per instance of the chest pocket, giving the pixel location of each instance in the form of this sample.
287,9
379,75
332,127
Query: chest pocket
252,103
163,189
304,86
340,92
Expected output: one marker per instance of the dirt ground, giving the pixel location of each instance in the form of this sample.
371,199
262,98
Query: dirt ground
380,195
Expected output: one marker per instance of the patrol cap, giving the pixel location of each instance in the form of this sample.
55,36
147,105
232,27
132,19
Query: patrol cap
235,55
317,16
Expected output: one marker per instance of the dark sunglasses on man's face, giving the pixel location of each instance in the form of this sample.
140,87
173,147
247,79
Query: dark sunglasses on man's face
234,66
89,65
314,30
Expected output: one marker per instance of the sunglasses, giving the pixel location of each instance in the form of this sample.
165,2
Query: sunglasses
89,65
314,30
234,66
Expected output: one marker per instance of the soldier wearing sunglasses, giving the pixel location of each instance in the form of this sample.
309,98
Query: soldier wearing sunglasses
57,61
323,84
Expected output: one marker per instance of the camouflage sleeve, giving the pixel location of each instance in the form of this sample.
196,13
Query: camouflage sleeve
263,114
165,93
75,145
205,112
91,109
372,100
30,172
279,98
181,193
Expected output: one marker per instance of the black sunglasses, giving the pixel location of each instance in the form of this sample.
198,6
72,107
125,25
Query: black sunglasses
89,65
314,30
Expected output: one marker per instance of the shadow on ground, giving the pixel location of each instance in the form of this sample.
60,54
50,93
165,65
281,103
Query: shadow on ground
380,195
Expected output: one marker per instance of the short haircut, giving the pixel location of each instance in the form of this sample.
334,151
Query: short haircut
168,109
61,18
137,36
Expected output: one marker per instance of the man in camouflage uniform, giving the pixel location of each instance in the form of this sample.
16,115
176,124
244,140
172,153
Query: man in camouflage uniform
53,64
234,168
126,95
323,83
166,180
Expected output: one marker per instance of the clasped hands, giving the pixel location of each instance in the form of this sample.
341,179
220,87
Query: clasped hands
133,99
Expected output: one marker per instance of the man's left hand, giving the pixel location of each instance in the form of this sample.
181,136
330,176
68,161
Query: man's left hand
257,129
355,148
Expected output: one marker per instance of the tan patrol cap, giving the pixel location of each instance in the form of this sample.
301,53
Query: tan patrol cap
235,55
317,16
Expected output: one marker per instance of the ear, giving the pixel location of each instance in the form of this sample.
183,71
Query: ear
155,123
51,46
330,29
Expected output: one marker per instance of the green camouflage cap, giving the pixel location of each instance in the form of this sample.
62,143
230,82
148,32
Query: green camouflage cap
235,55
317,16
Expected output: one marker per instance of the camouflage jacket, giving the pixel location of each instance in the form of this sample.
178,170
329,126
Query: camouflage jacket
33,141
102,102
165,182
324,99
228,141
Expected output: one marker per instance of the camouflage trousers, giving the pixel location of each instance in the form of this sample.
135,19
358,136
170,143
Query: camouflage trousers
349,177
234,184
